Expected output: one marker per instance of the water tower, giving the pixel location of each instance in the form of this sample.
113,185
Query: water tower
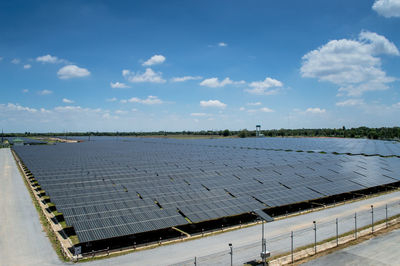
258,130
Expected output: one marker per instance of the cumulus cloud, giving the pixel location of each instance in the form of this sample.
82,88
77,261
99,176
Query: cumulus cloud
15,61
315,110
25,90
72,71
73,108
150,100
351,64
350,102
266,110
213,103
154,60
65,100
49,59
198,114
148,76
185,78
113,99
45,92
215,83
254,104
387,8
17,107
118,85
120,112
27,66
222,44
268,86
262,109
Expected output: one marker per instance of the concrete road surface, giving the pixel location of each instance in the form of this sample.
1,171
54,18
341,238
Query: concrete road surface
22,241
382,250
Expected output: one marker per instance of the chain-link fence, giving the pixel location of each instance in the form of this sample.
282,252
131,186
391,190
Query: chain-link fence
312,236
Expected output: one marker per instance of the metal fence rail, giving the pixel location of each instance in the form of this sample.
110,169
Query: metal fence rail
287,243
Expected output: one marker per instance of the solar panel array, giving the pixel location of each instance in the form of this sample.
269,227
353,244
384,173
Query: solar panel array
329,145
112,188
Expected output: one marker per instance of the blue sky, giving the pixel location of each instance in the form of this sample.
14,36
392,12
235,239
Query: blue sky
194,65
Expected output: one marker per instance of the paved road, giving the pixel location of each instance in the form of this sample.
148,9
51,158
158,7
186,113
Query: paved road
382,250
23,243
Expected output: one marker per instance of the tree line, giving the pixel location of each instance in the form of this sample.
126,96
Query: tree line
383,133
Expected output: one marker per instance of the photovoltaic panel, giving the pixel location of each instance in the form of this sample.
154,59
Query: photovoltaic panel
113,187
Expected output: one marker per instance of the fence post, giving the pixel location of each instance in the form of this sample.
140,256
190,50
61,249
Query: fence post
355,224
372,218
291,245
315,237
386,209
231,252
337,232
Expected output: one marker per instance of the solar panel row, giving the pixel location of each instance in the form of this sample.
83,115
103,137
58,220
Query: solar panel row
113,188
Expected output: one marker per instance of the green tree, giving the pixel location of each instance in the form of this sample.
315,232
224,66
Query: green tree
226,133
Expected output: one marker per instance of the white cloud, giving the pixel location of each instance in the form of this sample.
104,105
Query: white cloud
387,8
154,60
351,64
65,100
266,110
254,104
315,110
72,71
268,86
113,99
25,90
148,76
45,111
118,85
222,44
262,109
185,78
50,59
17,107
242,109
215,83
378,44
120,112
45,92
350,102
15,61
150,100
27,66
1,58
75,108
212,103
198,114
